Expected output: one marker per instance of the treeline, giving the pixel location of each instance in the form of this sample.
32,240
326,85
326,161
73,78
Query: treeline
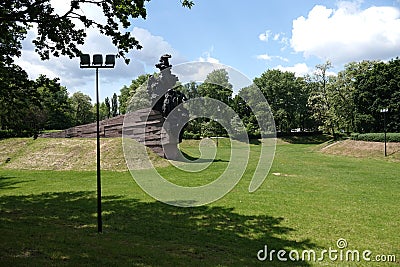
349,102
31,106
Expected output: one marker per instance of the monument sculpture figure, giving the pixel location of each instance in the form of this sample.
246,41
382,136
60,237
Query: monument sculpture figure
164,62
163,128
158,84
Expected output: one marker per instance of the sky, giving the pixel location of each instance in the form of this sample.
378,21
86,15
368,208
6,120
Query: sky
249,36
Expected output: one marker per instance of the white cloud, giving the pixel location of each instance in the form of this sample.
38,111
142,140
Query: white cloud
269,58
277,36
265,36
60,7
348,33
153,48
285,41
206,57
68,69
283,58
264,57
300,69
89,10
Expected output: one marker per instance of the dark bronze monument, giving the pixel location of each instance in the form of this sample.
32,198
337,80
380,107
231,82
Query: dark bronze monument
158,127
155,126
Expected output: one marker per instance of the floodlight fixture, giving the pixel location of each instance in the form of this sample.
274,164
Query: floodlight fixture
110,60
97,62
85,60
97,59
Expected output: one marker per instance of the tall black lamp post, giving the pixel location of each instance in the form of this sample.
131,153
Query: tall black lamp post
384,111
97,64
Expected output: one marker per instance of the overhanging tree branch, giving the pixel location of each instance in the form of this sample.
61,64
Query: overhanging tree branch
64,35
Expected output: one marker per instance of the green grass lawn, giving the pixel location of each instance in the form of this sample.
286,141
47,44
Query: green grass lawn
308,201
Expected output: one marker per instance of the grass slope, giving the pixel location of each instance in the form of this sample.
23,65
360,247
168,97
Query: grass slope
363,149
308,201
64,154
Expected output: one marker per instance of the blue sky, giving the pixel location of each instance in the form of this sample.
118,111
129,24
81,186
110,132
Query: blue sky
251,37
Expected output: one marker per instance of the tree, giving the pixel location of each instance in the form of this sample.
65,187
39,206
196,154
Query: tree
245,113
10,38
127,92
103,111
342,95
19,100
286,96
217,86
320,99
139,100
114,105
190,90
377,87
56,110
107,108
29,106
62,34
123,99
258,114
82,109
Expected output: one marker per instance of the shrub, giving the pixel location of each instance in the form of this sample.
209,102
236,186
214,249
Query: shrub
376,137
12,133
190,135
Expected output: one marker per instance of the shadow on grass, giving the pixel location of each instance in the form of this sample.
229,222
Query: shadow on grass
395,151
10,182
314,139
60,229
255,141
198,160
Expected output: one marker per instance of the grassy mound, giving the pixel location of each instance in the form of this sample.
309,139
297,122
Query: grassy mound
64,154
363,149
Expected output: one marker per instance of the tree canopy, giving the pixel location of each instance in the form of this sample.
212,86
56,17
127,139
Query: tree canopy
126,93
62,34
27,105
284,92
377,87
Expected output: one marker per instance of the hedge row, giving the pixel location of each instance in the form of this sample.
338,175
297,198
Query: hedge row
190,135
11,134
376,137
